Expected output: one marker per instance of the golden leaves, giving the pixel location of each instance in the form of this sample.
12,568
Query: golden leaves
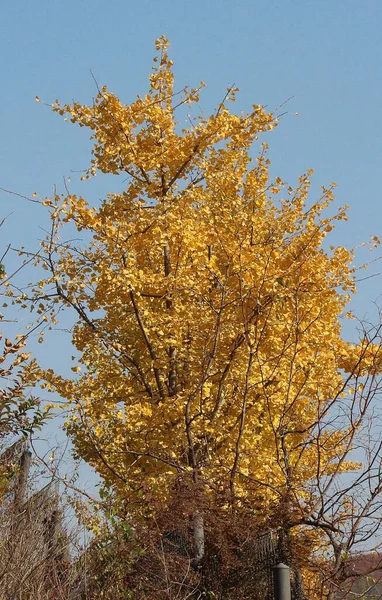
208,312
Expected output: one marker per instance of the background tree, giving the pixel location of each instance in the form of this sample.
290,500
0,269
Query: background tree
32,543
212,368
21,412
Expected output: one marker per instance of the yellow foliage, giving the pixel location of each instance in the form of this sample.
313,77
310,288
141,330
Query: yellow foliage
208,311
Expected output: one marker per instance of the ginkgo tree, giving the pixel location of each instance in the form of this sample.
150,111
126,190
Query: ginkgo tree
207,315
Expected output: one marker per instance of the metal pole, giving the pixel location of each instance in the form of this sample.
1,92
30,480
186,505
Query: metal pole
281,582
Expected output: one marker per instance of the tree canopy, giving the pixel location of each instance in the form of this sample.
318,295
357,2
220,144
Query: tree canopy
208,315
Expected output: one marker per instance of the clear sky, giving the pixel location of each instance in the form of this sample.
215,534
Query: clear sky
325,54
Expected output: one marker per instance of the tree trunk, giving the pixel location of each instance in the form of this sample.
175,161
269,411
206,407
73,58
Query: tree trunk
198,533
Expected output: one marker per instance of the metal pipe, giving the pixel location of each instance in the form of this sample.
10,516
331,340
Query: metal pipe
281,582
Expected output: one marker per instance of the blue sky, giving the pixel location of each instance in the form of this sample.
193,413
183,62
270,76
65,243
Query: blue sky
325,54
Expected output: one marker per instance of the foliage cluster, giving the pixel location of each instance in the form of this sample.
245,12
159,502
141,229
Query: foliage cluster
214,385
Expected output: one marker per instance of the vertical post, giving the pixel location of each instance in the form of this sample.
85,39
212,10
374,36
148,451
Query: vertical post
281,582
21,487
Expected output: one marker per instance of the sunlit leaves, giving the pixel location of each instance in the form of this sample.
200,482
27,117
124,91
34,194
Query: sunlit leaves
207,311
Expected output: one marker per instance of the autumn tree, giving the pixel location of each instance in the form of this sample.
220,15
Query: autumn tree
211,365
